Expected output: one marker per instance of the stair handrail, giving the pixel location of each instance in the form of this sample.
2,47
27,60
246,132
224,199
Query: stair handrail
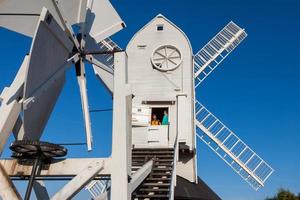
173,176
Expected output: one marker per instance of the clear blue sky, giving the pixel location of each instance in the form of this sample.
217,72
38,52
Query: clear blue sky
256,90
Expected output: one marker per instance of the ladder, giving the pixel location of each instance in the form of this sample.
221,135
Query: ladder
230,148
216,50
158,185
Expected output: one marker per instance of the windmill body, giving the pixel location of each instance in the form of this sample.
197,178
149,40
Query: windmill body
157,90
156,116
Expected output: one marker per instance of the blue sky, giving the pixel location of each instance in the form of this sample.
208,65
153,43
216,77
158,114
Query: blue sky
256,90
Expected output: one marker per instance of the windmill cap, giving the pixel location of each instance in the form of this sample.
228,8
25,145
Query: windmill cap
160,15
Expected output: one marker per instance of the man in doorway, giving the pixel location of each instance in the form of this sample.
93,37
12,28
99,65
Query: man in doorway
165,120
155,121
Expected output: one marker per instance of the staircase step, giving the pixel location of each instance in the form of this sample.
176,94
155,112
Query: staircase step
152,153
152,196
158,179
154,190
161,174
160,156
152,149
157,184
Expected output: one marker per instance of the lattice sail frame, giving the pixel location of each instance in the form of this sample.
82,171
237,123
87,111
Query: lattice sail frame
231,148
216,50
224,142
108,45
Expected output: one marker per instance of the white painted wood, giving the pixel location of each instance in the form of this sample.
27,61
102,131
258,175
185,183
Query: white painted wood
216,50
183,128
99,188
49,53
9,115
141,116
103,196
10,107
79,181
255,178
104,66
121,147
150,84
75,10
58,167
33,9
158,136
98,28
7,188
139,176
65,22
81,79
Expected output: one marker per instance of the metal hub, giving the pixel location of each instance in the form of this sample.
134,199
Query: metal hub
37,151
28,149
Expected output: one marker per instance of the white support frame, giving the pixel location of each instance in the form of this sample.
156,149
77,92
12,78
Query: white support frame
139,176
79,181
7,188
69,167
11,107
121,147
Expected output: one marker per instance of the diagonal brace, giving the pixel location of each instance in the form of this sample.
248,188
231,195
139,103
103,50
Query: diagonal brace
138,177
7,188
79,181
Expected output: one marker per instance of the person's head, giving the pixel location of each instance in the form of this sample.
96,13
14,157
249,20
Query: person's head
165,112
154,116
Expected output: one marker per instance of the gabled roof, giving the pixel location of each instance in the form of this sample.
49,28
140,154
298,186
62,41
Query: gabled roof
167,20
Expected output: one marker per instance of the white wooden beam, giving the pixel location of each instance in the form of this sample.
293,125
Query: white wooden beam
121,147
103,196
81,79
139,176
10,107
57,167
7,188
79,181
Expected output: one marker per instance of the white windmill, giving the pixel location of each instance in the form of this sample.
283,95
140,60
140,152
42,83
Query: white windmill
55,48
27,104
163,82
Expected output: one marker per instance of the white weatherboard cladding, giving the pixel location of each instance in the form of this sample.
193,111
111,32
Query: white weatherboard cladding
150,84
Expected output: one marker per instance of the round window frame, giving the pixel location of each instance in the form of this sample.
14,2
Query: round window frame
163,46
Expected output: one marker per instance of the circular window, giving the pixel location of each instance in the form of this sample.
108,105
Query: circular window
166,58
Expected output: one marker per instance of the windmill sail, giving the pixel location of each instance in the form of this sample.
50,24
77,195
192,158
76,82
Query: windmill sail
107,60
107,45
98,28
15,13
216,50
45,74
228,146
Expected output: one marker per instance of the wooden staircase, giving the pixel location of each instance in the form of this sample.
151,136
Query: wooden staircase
158,184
